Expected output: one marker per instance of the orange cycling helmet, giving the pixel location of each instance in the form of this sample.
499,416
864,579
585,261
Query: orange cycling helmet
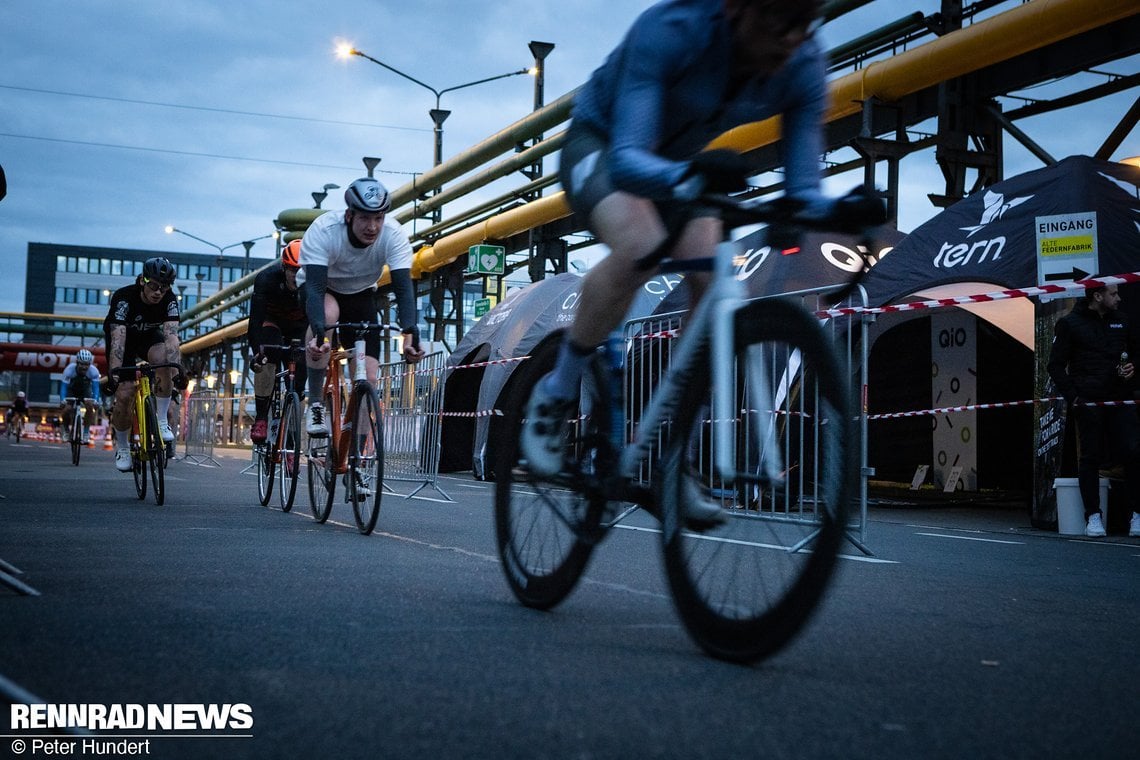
291,254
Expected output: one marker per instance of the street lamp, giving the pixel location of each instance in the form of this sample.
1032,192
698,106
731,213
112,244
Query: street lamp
320,195
222,248
438,116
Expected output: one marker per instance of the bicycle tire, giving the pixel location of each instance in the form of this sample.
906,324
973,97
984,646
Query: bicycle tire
289,466
155,453
365,479
265,455
545,530
742,588
322,470
138,467
76,438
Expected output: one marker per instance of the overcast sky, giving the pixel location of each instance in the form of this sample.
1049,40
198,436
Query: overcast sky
118,117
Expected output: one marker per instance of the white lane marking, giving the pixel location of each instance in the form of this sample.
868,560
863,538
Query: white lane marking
971,538
777,547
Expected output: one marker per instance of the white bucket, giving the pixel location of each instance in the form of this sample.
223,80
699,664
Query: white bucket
1071,508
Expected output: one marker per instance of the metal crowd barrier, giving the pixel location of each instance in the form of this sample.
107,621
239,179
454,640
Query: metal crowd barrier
411,397
651,340
201,413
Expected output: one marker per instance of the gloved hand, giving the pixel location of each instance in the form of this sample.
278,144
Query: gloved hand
785,232
723,170
413,353
179,382
259,359
112,381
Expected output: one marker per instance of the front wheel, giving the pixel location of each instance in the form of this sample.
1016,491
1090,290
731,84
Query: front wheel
289,453
546,529
365,479
155,453
745,587
322,470
76,439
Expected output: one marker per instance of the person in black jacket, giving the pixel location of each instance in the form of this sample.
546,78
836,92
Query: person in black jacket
1091,361
276,316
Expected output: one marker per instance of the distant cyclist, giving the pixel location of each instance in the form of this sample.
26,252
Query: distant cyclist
142,324
18,412
80,381
276,317
343,255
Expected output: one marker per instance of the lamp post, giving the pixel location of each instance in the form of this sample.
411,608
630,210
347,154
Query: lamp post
223,248
438,116
320,195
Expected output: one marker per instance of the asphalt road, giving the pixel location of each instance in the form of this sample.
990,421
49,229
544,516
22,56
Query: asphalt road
967,634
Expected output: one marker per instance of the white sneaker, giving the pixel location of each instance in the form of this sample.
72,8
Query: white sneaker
123,460
542,439
1095,526
317,428
1134,526
164,429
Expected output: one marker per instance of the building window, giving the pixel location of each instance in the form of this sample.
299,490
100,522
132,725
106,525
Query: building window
183,272
59,295
72,266
69,295
104,266
61,263
116,267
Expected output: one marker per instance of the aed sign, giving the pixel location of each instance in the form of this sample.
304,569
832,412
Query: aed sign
486,259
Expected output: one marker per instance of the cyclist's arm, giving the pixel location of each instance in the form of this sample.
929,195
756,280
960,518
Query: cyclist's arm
65,382
117,348
802,127
405,292
171,342
257,310
316,281
94,390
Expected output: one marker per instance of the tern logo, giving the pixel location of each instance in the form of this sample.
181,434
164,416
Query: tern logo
995,207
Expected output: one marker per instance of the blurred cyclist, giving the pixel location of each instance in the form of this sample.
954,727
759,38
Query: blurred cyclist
686,72
17,413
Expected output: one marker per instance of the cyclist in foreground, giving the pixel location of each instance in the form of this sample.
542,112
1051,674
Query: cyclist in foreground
80,381
687,71
142,323
276,317
343,255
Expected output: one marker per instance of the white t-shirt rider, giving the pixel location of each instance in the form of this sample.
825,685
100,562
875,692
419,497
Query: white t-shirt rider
350,269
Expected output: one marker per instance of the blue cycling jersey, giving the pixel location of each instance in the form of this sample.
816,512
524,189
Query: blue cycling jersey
667,90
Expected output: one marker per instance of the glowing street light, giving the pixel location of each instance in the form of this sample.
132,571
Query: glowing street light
223,248
345,50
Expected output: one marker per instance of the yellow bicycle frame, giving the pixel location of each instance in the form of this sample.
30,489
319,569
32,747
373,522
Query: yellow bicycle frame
139,431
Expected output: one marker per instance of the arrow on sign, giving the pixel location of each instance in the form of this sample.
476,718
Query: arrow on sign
1076,274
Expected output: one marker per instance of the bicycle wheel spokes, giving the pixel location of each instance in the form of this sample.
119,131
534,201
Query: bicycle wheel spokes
155,453
545,531
289,455
365,479
745,586
263,454
322,477
138,469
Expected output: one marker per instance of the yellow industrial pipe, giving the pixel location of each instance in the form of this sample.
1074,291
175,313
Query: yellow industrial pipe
1019,30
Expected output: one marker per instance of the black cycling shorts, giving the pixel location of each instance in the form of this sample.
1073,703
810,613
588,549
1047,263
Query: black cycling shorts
138,345
358,307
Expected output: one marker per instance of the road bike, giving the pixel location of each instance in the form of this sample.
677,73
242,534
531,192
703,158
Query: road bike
16,426
148,450
354,447
78,425
280,453
751,415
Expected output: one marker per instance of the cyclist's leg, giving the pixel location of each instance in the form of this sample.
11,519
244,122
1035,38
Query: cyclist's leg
156,353
263,380
316,370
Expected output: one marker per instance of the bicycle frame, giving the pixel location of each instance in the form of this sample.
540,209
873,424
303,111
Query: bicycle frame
713,316
340,418
285,380
138,427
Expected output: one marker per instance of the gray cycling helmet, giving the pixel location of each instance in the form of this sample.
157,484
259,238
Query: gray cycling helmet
367,194
84,357
160,270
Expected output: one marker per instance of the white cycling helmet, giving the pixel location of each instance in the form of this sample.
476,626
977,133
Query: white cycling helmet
20,394
367,194
84,357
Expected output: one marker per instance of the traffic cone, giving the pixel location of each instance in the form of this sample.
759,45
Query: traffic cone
108,444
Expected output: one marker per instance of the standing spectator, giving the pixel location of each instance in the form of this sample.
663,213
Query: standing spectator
1091,361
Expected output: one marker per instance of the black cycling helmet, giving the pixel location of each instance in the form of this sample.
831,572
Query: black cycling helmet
160,270
367,194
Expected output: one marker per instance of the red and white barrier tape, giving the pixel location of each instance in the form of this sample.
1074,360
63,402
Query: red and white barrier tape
994,405
1001,295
